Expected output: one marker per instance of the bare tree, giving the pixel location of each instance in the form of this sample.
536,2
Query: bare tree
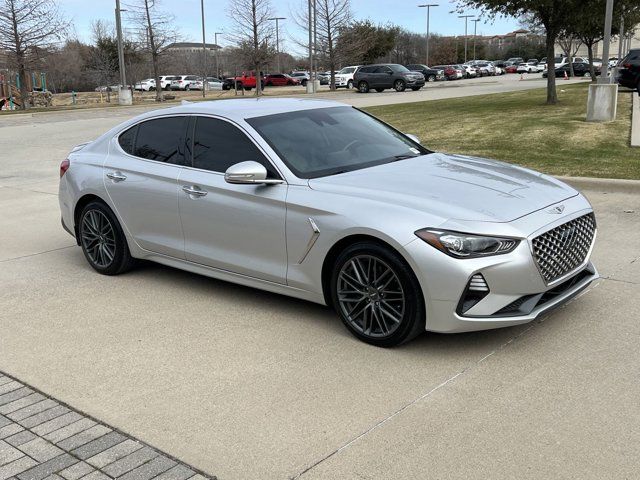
27,26
570,44
155,31
253,32
331,17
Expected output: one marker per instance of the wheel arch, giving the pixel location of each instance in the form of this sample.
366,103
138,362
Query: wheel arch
343,243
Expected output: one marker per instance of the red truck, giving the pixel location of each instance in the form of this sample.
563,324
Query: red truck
247,80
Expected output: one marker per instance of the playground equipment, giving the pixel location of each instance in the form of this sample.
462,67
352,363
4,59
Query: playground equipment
11,97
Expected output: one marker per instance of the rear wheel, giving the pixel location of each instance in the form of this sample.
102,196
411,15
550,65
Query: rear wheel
377,295
431,78
587,75
399,85
363,87
103,242
350,84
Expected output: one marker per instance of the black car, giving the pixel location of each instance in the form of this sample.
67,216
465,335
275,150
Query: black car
387,75
629,70
580,69
430,74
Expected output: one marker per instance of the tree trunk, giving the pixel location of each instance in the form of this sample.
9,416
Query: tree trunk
591,68
552,96
154,53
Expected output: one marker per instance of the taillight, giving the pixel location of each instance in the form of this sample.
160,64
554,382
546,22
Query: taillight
64,166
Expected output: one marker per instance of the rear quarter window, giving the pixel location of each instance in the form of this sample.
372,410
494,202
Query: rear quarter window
127,139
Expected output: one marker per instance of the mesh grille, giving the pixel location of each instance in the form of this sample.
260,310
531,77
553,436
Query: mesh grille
565,247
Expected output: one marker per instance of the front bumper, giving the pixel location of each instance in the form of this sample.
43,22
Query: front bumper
517,292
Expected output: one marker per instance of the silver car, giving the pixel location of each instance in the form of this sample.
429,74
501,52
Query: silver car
320,201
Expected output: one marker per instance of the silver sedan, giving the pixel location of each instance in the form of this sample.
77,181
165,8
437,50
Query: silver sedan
320,201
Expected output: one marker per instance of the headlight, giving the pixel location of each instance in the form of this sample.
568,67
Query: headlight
464,245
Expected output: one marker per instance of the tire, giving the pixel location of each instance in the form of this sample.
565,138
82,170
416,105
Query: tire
349,84
415,89
587,75
188,87
101,237
167,87
363,87
399,86
431,78
152,89
404,299
238,85
379,90
304,83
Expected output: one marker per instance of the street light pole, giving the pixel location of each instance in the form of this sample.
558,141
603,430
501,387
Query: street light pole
217,47
475,34
604,75
466,18
204,52
123,77
428,7
277,19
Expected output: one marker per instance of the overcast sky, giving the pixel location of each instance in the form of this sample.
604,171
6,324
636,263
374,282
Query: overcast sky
187,14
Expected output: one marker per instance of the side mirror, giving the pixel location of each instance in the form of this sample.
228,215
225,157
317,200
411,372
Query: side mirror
248,173
413,137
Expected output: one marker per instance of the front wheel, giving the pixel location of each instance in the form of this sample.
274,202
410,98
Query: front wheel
350,84
587,75
399,86
103,242
377,295
363,87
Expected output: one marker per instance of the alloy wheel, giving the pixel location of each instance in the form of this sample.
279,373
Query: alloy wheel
98,238
371,296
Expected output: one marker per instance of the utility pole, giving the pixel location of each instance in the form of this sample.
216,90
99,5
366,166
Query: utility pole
277,19
603,96
204,52
428,7
217,47
604,74
475,34
466,18
123,77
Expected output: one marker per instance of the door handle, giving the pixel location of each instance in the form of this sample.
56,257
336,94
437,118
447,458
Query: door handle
116,176
193,190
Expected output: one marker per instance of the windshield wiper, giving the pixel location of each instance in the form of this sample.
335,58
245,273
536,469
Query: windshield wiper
404,157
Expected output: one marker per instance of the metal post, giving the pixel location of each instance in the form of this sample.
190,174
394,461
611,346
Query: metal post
621,39
604,74
314,73
310,15
123,78
475,34
204,52
428,7
215,40
466,18
277,19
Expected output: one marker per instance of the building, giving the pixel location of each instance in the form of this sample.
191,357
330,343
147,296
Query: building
190,47
512,38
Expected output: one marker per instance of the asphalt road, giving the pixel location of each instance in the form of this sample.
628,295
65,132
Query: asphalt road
244,384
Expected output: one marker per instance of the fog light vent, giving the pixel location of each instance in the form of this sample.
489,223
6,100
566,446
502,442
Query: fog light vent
476,290
478,283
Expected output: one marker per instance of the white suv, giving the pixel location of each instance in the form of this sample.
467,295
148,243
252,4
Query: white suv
344,78
183,82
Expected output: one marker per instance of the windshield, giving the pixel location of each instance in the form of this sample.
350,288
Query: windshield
326,141
347,70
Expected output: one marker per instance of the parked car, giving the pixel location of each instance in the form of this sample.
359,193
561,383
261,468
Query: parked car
629,70
387,75
247,81
325,77
533,60
280,80
146,85
430,74
580,69
527,67
213,83
560,61
613,62
344,78
165,81
302,77
485,69
397,238
542,64
450,73
511,68
516,60
183,82
597,62
468,71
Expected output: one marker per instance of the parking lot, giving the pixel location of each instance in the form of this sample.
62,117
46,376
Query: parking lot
244,384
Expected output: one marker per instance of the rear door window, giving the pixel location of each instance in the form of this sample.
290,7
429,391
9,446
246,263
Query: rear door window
162,140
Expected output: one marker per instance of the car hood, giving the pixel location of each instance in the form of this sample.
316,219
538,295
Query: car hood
452,187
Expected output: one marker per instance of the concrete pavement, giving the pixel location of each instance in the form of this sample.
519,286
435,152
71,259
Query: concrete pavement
243,384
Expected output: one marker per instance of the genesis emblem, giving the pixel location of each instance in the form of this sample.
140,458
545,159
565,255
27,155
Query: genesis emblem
557,209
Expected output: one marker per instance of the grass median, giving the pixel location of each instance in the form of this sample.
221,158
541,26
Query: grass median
518,127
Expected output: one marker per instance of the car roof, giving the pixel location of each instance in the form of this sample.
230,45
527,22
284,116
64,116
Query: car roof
239,109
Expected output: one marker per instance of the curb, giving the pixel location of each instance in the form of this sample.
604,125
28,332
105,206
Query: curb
635,120
613,185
